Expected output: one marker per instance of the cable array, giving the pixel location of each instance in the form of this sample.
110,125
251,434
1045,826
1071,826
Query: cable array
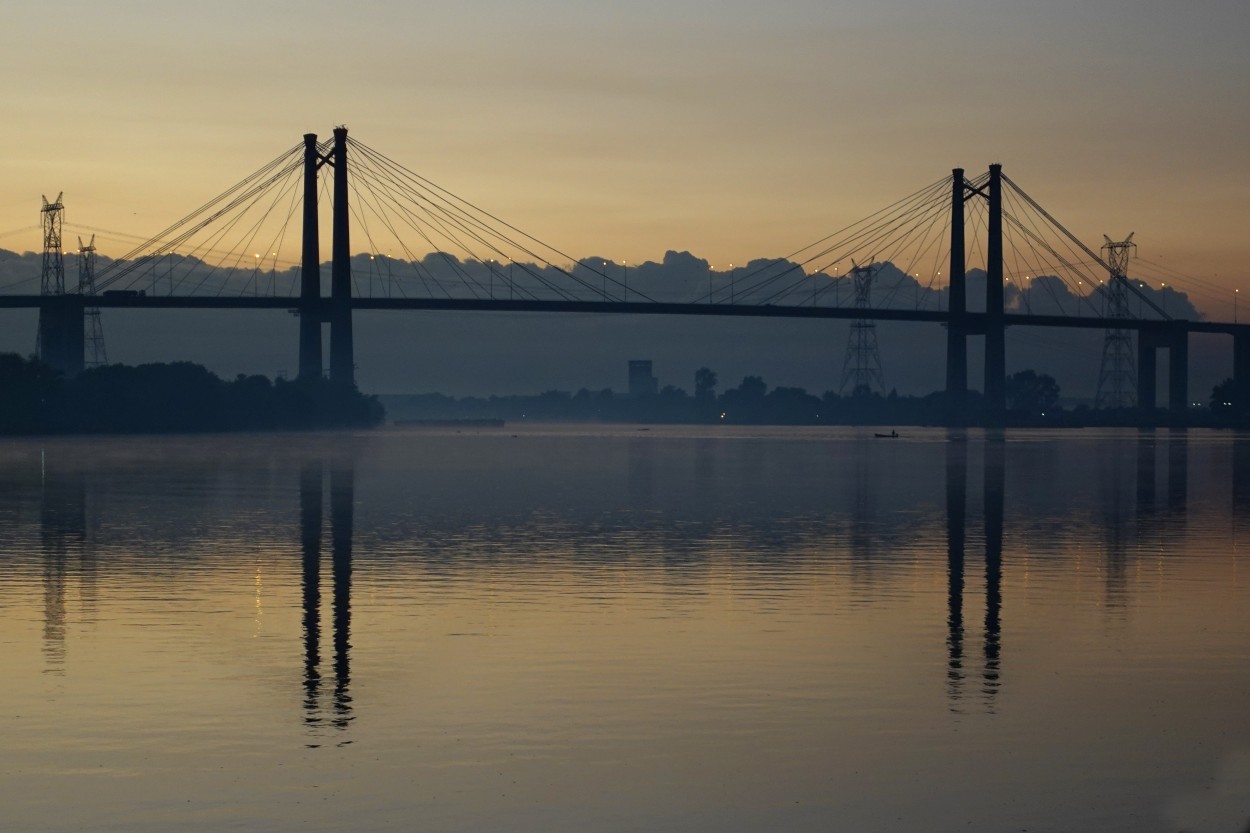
463,250
216,248
908,234
415,238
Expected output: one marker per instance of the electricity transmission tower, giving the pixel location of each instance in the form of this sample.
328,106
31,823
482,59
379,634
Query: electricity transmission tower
93,334
52,277
861,369
1117,380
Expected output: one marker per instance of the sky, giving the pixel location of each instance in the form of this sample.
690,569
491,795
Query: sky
734,130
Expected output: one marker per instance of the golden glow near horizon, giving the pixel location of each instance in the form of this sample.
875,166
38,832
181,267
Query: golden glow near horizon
734,132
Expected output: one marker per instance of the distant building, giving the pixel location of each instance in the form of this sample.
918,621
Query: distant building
641,382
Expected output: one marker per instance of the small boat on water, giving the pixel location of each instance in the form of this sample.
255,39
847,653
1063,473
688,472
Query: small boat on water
893,435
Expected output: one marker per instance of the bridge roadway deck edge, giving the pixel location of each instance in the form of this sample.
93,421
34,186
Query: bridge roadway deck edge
974,322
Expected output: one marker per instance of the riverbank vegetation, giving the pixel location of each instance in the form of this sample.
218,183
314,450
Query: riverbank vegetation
1032,400
174,397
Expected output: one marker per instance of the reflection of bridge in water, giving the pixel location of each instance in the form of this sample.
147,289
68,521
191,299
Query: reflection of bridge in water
405,206
1157,496
342,513
1152,521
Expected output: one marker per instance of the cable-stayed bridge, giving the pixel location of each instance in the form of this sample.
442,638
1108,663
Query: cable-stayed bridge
401,242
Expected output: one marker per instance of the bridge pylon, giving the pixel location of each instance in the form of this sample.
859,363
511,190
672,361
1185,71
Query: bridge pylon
310,269
995,330
313,309
994,327
957,303
342,355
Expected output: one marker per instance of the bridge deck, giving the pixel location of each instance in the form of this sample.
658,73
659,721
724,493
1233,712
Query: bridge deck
972,321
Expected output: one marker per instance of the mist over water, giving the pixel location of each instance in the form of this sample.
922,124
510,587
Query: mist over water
618,628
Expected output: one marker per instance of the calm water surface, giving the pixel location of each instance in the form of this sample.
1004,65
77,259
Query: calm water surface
620,629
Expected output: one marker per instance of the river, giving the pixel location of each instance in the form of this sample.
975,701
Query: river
623,628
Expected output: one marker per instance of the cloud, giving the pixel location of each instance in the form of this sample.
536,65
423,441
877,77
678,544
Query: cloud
483,353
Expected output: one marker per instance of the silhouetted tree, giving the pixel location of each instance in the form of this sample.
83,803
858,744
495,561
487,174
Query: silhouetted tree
745,403
1223,398
1029,392
27,389
180,396
704,383
791,406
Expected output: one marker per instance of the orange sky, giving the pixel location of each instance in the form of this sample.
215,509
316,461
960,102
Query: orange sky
730,129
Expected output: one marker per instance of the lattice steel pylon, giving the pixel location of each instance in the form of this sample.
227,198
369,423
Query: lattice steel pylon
52,277
861,369
93,330
1117,379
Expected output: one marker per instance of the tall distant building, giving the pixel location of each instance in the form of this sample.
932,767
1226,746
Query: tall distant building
641,381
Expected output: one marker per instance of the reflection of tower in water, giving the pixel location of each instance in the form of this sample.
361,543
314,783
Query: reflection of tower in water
63,529
995,475
994,470
1240,487
1178,471
342,514
1241,475
1162,526
1114,513
342,510
310,546
956,520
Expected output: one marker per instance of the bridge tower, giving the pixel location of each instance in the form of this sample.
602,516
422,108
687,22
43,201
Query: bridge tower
342,356
93,334
1116,388
310,269
995,331
956,327
861,368
959,327
312,307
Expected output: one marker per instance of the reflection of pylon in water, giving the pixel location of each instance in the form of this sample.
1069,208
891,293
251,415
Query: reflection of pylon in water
93,333
861,369
1117,383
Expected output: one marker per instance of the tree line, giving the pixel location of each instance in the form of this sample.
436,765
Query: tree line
1030,396
174,397
1032,399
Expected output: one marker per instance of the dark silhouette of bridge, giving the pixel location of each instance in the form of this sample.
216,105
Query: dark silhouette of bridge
61,316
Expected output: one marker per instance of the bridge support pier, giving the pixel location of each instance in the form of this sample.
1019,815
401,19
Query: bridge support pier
1178,375
1176,342
61,342
1241,375
1147,343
